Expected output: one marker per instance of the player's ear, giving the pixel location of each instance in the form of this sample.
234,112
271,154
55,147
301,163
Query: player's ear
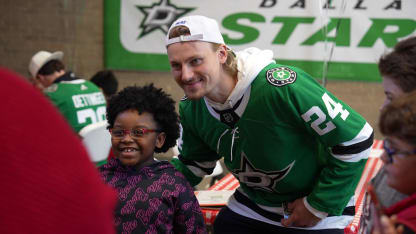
222,53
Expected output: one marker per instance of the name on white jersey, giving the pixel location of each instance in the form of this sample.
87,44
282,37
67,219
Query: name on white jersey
91,99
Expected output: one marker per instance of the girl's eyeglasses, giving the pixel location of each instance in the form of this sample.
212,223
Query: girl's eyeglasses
134,133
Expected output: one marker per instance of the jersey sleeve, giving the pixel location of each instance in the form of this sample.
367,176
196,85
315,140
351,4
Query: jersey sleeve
345,135
195,158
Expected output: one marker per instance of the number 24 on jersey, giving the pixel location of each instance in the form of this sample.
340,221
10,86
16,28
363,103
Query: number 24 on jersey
333,109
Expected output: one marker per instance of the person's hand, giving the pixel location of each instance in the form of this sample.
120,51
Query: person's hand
388,226
300,215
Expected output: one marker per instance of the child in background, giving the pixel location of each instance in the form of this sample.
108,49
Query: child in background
398,124
398,71
153,196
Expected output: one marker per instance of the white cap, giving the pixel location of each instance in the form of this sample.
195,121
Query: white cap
202,29
41,58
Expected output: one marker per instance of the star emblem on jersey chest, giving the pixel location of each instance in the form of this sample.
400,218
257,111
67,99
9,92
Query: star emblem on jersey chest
260,179
280,76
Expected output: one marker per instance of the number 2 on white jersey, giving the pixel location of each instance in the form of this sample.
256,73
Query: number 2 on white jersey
333,109
94,116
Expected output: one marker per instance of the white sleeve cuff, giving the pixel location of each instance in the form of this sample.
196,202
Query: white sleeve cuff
317,213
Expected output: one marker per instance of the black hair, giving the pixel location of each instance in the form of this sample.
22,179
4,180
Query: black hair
107,81
51,67
147,99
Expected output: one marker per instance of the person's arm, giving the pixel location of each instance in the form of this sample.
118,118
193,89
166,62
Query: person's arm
193,170
188,215
195,158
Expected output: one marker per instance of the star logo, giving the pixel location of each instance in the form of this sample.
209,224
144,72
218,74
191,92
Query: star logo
83,87
259,179
280,76
160,16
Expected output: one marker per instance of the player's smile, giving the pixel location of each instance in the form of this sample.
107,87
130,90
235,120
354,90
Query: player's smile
193,85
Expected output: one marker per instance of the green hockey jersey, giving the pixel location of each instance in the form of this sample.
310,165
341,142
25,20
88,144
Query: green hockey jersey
288,138
80,101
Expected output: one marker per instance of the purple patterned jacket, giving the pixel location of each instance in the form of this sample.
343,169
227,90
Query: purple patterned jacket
155,199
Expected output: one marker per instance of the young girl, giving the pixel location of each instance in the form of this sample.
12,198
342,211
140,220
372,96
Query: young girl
153,196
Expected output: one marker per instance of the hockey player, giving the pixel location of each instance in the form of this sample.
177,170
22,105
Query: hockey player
297,151
80,101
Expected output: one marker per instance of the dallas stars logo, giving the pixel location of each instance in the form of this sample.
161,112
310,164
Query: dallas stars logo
281,76
259,179
160,16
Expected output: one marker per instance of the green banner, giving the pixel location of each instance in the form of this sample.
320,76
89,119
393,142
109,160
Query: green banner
338,39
